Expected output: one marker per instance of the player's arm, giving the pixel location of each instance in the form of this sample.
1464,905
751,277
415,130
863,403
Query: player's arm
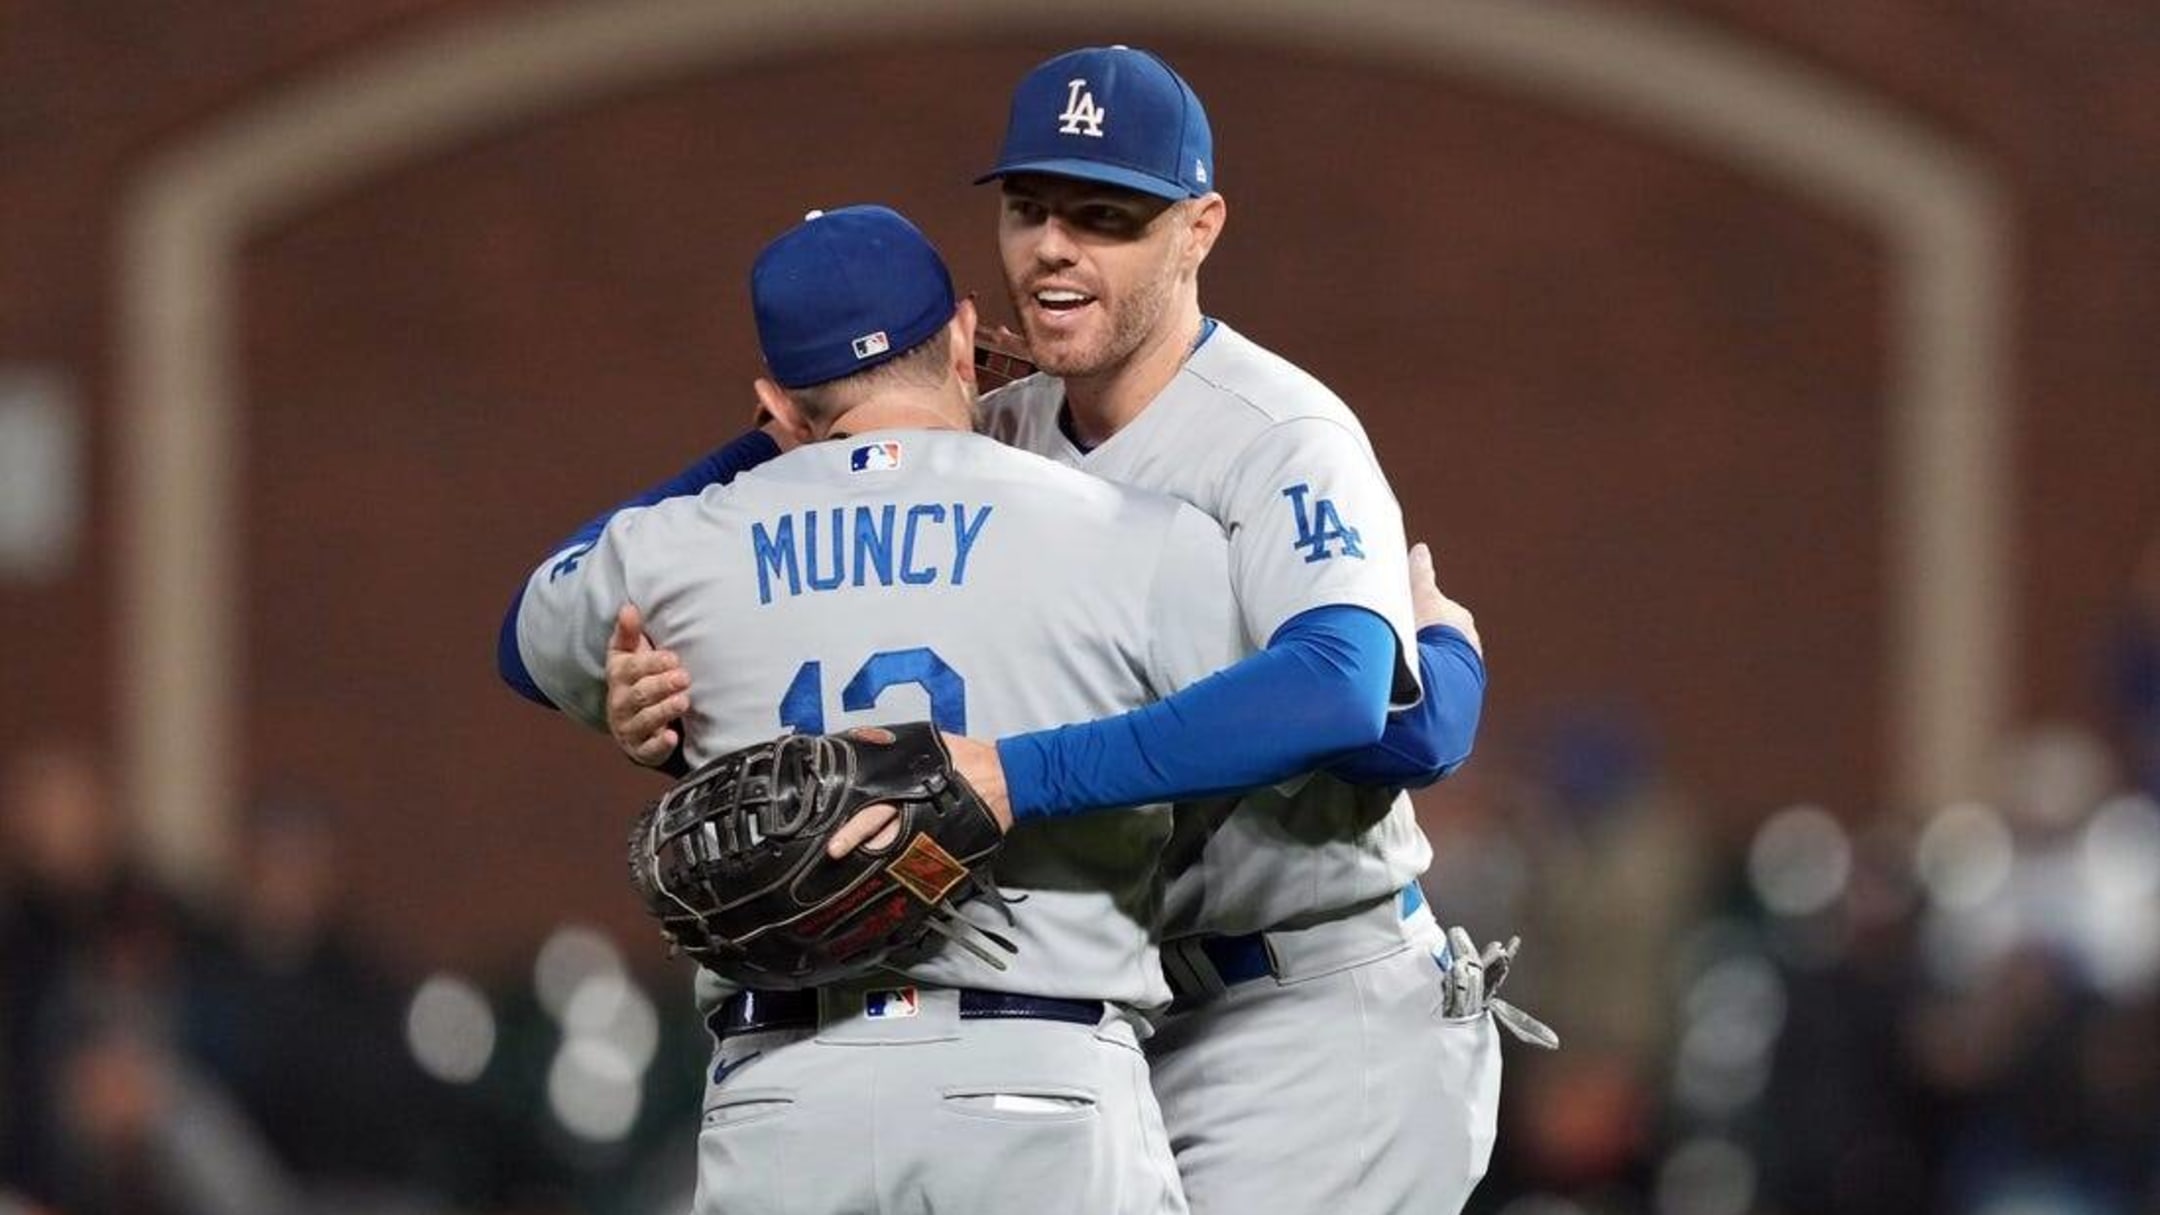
718,467
560,626
1432,738
1225,724
1318,562
1319,688
1318,566
1344,545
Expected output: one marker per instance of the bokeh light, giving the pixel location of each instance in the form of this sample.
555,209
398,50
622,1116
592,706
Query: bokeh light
615,1010
1706,1176
1963,857
572,954
1800,861
1732,1016
593,1090
2120,850
450,1029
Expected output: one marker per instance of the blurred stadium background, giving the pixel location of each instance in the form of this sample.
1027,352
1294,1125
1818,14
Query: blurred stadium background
1776,381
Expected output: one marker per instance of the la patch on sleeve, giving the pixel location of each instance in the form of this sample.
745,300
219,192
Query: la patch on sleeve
568,562
1319,526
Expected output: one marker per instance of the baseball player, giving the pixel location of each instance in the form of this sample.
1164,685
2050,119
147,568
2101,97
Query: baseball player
1309,1012
1305,1000
911,568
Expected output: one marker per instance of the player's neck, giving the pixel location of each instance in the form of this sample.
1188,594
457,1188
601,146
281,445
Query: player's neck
1103,404
931,409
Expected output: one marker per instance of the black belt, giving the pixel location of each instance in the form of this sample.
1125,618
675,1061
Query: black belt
752,1012
1241,959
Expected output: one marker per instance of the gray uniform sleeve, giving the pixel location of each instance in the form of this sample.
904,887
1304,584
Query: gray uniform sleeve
1195,628
568,613
1312,524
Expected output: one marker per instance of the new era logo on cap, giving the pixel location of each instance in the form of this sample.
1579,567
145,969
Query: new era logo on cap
871,345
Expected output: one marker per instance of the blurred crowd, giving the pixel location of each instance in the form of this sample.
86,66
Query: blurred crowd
1849,1013
160,1056
1833,1012
1870,1015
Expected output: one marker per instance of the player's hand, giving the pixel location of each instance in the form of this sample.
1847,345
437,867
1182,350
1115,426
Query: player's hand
976,762
877,826
1431,606
647,692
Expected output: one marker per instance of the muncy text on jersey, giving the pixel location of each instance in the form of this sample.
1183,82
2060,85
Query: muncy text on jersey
917,544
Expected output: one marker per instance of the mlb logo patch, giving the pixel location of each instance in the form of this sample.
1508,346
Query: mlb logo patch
871,344
875,457
891,1003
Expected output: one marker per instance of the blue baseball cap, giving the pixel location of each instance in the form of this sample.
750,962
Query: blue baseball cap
1110,114
844,291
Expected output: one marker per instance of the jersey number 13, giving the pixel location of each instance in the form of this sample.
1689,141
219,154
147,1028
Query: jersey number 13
802,706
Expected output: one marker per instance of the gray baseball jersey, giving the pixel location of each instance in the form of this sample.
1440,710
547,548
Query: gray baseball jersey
919,574
1284,466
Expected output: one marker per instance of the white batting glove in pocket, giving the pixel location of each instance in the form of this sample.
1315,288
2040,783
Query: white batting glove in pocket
1472,982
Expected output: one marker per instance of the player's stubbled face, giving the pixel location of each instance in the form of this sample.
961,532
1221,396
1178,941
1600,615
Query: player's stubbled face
1090,269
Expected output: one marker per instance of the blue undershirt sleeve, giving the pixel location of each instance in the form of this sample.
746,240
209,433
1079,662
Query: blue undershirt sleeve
1432,738
1319,688
718,467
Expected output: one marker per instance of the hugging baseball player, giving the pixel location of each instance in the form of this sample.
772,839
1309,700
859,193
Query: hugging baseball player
1308,1010
910,561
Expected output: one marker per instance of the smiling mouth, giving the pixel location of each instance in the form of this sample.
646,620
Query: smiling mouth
1061,300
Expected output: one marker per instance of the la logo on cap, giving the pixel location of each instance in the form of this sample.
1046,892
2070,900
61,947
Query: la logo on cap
1082,116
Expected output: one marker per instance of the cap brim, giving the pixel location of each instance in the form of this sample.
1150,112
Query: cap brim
1095,170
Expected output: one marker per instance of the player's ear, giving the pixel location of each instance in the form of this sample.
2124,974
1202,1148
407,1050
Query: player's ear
961,333
1204,221
774,400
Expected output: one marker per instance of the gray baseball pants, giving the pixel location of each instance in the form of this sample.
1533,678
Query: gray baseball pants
925,1113
1331,1085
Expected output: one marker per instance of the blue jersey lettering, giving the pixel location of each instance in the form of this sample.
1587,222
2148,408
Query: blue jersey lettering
1320,527
569,562
831,579
841,547
774,553
964,538
873,544
934,511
